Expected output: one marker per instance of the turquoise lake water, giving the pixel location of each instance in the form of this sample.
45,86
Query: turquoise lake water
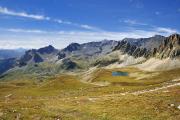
119,73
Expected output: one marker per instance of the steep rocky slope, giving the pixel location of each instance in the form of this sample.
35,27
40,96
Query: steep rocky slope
133,50
170,47
165,57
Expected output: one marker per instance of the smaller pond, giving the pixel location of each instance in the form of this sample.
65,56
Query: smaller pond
119,73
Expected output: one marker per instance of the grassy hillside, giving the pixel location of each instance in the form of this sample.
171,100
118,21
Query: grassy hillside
66,97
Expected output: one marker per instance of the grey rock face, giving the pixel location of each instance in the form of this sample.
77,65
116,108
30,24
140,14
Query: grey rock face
148,43
170,47
47,50
132,50
61,55
68,64
87,49
37,56
72,47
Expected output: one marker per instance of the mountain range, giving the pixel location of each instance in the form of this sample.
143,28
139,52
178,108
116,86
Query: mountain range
74,57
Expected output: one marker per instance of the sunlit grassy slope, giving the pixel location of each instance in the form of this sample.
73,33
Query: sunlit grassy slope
66,97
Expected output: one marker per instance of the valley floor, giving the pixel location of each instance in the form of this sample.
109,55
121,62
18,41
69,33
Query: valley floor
93,95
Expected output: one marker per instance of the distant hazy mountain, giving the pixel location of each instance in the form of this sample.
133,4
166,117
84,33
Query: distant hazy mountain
7,64
8,53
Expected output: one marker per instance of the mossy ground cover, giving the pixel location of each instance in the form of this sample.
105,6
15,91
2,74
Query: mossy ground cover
65,97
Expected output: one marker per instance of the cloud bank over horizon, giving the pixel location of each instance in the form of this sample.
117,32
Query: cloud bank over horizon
32,25
24,38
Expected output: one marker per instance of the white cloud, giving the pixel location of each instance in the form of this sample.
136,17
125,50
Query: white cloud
25,31
89,27
58,21
6,11
29,44
86,26
65,22
60,39
166,30
133,22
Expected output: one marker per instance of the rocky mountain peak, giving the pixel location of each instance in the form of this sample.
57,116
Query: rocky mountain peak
72,47
46,50
175,39
37,55
174,36
171,41
170,47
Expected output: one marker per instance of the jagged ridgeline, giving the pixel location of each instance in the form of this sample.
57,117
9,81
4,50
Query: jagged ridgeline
157,46
83,56
133,50
49,59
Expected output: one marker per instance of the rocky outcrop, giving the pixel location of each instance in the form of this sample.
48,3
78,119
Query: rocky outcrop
132,50
68,64
170,47
37,58
61,55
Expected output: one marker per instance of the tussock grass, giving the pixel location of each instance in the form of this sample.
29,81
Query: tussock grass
66,97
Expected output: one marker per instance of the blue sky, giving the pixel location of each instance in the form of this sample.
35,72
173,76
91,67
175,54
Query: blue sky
37,23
